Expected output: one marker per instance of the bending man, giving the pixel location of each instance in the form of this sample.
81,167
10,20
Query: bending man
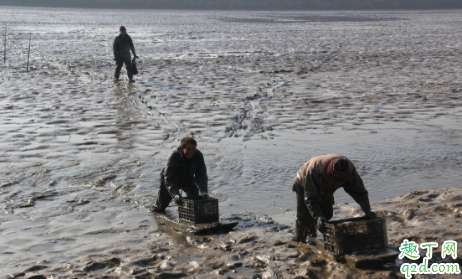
315,185
184,170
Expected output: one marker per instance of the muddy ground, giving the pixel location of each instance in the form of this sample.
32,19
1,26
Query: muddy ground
263,248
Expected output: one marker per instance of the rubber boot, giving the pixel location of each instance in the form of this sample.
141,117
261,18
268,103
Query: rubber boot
157,209
301,232
312,235
312,231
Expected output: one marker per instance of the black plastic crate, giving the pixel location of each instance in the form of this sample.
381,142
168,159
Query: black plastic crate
355,235
198,210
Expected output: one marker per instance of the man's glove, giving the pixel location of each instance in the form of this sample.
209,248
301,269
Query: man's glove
178,200
371,215
205,196
136,56
320,223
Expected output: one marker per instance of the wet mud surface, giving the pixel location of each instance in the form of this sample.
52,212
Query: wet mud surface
261,247
262,93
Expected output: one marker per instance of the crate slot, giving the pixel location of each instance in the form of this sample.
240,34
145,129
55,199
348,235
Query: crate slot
355,235
198,210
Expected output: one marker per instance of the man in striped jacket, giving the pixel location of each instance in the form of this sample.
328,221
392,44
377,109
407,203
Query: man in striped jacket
315,185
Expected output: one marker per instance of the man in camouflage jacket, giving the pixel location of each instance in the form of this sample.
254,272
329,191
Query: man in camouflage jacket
315,185
184,170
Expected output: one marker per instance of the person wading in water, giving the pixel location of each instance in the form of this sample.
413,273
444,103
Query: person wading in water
122,46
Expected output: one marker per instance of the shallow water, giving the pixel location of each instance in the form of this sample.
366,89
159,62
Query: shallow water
262,93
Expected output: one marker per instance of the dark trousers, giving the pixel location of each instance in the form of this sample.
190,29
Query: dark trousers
305,225
164,198
128,65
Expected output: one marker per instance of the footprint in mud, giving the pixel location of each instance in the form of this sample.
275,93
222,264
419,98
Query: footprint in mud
77,201
104,264
200,242
145,262
123,189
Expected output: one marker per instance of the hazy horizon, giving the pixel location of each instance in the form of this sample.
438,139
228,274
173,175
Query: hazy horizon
243,4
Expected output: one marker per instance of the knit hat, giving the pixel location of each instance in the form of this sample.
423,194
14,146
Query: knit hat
338,169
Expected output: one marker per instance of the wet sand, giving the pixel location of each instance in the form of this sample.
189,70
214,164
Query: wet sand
262,93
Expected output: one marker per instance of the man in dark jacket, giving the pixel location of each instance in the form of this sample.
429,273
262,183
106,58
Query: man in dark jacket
316,182
122,46
184,170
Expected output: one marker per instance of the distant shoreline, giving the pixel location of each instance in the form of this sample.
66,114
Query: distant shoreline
262,7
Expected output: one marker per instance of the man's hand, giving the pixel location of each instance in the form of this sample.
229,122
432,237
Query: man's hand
371,215
321,224
205,196
136,56
178,200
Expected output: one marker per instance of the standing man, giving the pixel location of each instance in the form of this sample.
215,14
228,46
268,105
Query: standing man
315,185
184,170
122,46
